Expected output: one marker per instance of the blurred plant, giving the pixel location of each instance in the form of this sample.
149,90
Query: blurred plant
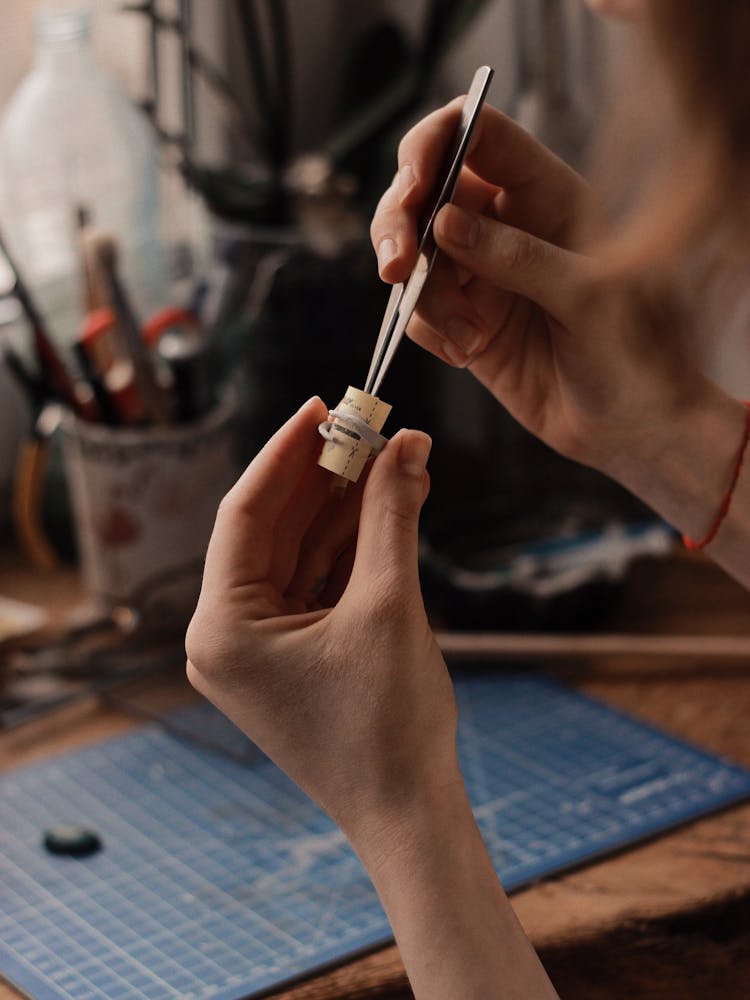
355,158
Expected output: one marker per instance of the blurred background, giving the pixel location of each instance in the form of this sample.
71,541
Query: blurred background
218,163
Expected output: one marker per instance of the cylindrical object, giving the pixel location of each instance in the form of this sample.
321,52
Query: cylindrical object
345,453
144,502
190,365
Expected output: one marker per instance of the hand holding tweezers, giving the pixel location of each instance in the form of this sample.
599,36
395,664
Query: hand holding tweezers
404,296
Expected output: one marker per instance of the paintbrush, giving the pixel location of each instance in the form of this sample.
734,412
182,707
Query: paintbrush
53,369
103,253
94,291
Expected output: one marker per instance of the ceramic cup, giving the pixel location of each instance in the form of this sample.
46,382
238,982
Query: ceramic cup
144,502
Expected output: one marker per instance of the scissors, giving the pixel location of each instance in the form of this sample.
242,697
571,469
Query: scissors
404,296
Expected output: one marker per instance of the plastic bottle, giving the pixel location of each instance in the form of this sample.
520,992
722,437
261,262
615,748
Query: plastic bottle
71,140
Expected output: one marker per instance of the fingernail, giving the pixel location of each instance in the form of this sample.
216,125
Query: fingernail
456,355
387,250
463,334
309,402
413,453
406,182
460,227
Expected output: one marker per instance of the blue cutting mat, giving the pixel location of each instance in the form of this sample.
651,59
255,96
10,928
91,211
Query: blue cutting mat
220,879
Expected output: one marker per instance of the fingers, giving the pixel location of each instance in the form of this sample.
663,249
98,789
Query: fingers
532,188
394,226
242,544
387,546
328,535
501,152
512,259
505,154
270,480
421,153
445,307
394,236
310,497
428,339
421,156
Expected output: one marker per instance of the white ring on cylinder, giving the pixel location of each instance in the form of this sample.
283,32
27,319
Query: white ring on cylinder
353,426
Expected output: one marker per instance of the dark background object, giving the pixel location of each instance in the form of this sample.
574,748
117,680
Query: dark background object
385,78
462,548
72,840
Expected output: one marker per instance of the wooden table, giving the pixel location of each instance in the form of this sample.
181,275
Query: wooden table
669,919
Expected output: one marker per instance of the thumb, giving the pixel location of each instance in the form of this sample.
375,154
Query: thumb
387,544
511,259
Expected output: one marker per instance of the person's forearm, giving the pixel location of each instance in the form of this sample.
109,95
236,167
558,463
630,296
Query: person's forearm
683,469
455,928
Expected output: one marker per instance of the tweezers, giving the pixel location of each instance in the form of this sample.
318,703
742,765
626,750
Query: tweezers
404,296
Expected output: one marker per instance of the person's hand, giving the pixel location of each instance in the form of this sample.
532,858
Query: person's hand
311,635
584,359
586,355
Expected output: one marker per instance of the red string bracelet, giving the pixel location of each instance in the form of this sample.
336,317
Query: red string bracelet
726,502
